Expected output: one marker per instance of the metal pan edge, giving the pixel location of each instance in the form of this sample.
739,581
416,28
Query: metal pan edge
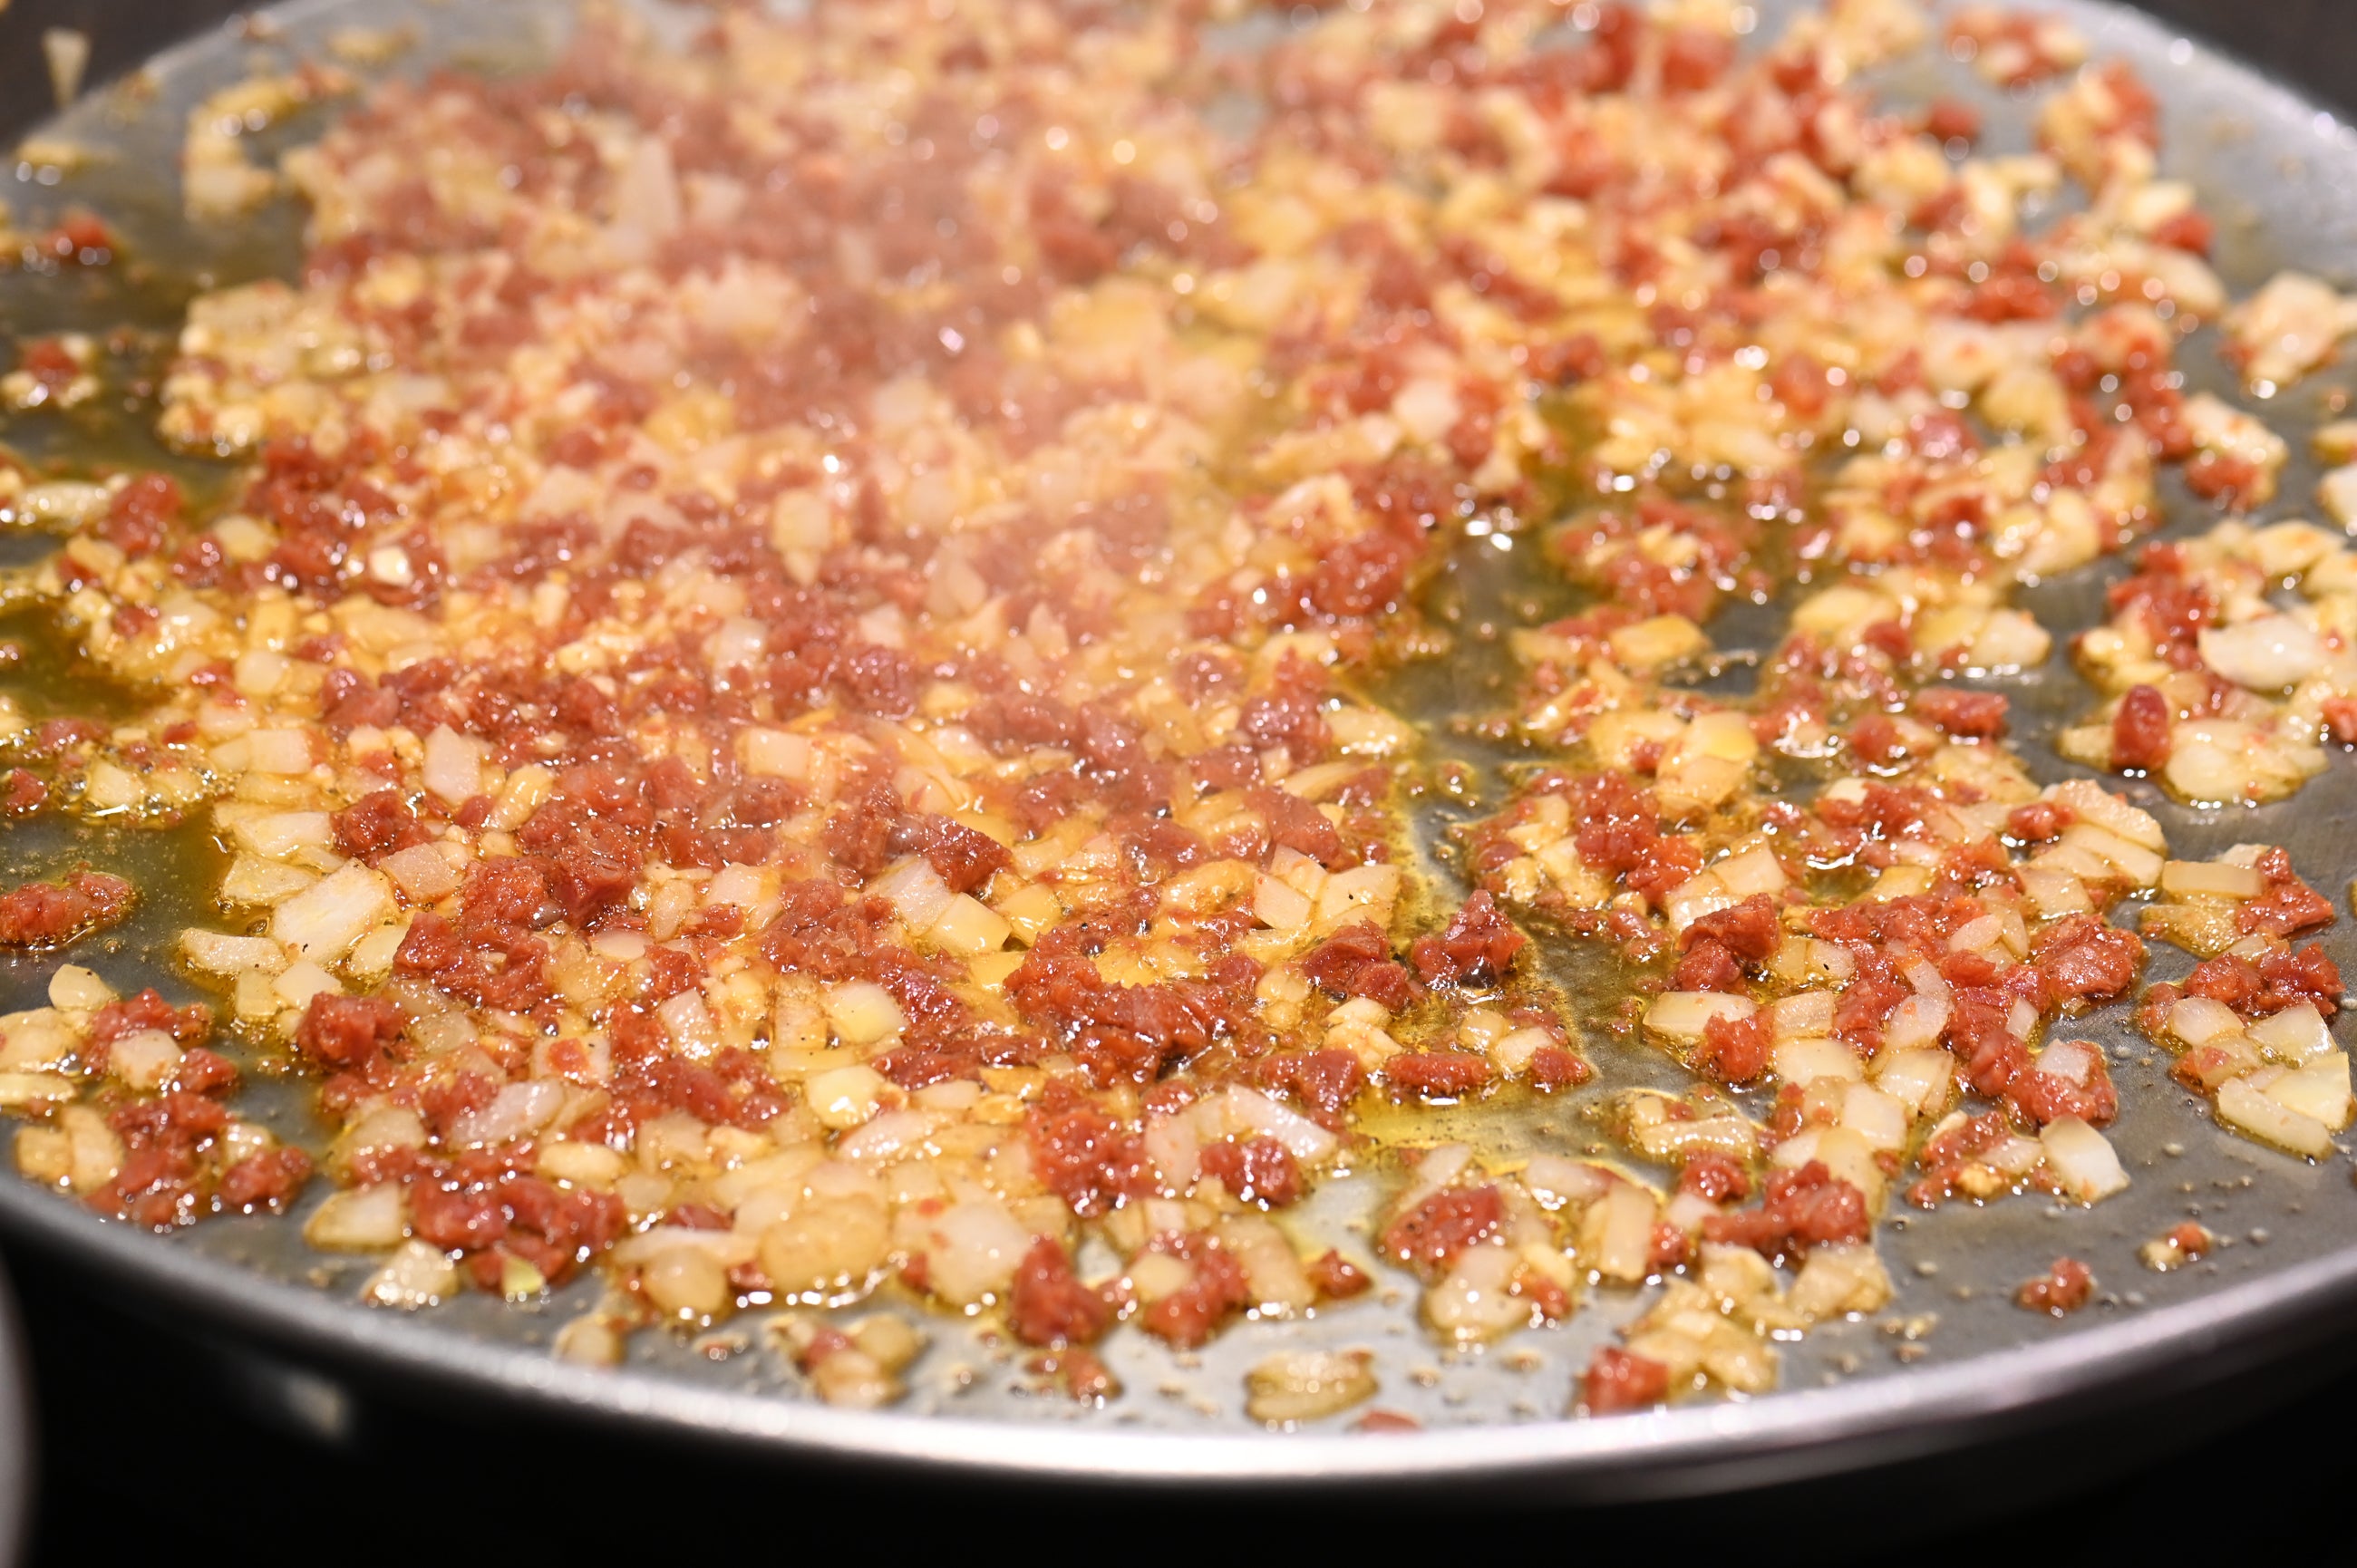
1679,1451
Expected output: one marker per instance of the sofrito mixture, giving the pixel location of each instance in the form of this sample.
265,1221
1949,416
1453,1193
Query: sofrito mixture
791,673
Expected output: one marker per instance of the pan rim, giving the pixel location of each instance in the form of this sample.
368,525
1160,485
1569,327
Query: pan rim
1687,1450
1675,1451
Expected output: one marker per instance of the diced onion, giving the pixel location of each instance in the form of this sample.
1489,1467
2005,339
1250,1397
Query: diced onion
417,1275
737,644
688,1021
2081,1160
77,989
2138,864
2091,802
2197,1020
1918,1078
516,1110
968,927
1926,978
18,1090
915,889
1849,1155
2070,1060
2201,769
385,1127
1251,1111
253,880
2272,1121
278,751
2295,1034
862,1011
146,1060
41,1038
1753,871
1837,1279
1878,1118
1278,905
1702,893
283,835
976,1246
775,754
892,1135
1977,935
647,204
1683,1015
1916,1021
1555,1181
1296,1386
1363,891
301,981
1272,1270
453,766
845,1096
1176,1150
1807,1016
211,952
1617,1233
580,1165
727,1246
1512,1053
1806,1061
360,1219
2318,1088
422,872
1474,1301
2054,892
324,921
2209,879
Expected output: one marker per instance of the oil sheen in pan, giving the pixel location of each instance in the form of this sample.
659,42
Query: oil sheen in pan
1950,1355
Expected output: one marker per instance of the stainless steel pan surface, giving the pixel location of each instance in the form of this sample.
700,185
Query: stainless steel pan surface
1950,1362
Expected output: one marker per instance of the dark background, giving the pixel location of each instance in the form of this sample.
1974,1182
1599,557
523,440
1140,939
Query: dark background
149,1451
